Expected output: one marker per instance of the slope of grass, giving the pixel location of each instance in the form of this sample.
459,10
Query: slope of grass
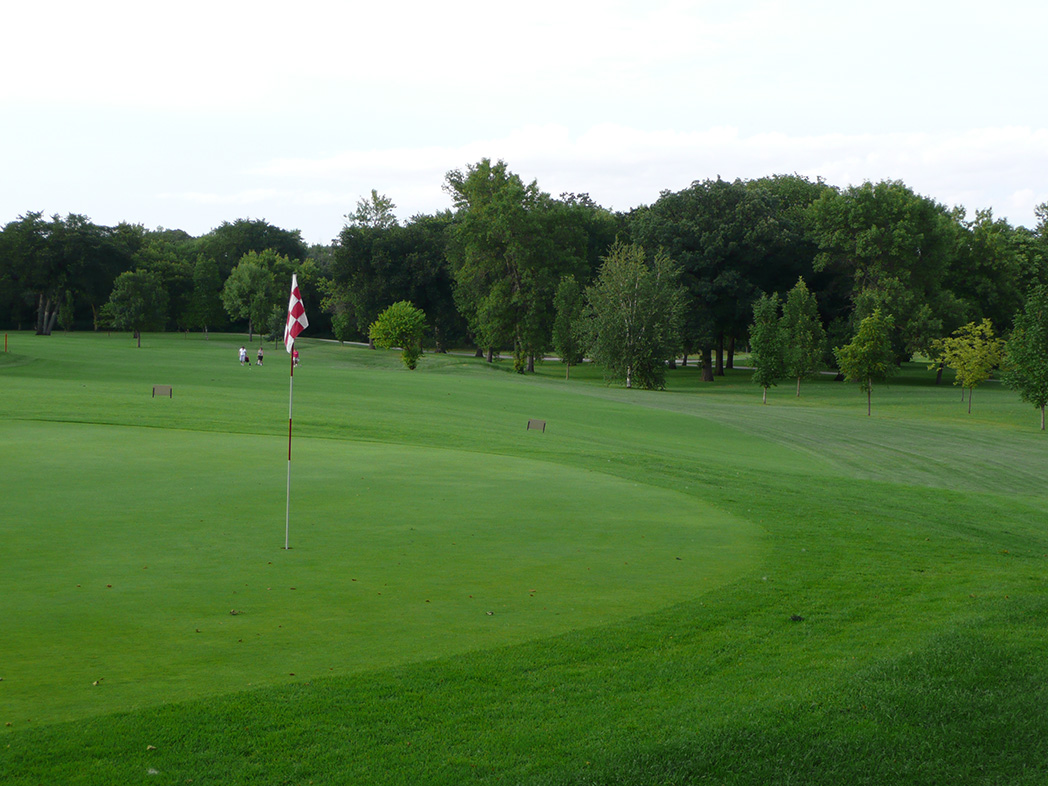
861,601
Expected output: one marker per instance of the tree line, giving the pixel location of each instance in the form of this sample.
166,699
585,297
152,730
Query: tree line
511,268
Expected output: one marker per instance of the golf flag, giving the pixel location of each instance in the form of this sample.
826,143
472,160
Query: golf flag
296,316
296,323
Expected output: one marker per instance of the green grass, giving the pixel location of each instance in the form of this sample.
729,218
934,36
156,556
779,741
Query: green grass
611,601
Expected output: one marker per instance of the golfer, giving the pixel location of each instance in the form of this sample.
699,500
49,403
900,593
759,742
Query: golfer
260,356
243,355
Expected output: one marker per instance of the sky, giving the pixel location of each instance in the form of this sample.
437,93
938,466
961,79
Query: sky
187,115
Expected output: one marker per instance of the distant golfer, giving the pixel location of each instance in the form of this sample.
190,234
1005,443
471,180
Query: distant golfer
260,356
294,356
243,355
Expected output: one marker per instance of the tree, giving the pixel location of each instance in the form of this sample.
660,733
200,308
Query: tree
205,303
374,213
401,325
567,341
509,246
767,346
896,247
972,352
726,238
228,243
803,334
1026,353
635,315
869,354
251,290
138,302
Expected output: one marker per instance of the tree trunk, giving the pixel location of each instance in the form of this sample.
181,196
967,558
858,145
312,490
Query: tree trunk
731,352
684,361
491,355
1042,418
764,400
798,387
51,319
938,373
567,371
672,363
869,400
531,364
720,355
970,400
138,337
479,353
707,364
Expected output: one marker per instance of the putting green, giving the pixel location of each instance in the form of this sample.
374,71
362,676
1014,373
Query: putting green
121,589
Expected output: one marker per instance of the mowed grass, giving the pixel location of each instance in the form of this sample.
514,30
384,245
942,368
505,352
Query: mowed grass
671,587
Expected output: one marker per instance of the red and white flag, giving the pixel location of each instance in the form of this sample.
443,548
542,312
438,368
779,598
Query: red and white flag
296,316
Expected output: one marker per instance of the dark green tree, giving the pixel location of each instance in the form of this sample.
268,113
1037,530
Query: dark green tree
138,302
252,289
803,334
1026,352
567,341
767,343
205,304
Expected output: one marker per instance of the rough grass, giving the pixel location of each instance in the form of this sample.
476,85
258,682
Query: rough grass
874,611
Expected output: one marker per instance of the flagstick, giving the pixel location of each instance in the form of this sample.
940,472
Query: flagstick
290,404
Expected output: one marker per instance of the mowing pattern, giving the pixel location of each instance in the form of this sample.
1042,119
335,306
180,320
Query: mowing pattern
682,587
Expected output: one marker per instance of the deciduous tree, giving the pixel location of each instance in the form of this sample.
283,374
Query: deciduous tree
869,355
138,302
767,345
972,352
401,325
635,315
1026,353
804,337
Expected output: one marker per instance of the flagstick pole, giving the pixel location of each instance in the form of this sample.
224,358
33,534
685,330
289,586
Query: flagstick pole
290,405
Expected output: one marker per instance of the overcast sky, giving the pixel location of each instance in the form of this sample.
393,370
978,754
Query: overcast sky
185,115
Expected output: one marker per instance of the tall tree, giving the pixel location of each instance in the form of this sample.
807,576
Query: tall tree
567,341
138,302
635,315
721,234
507,250
803,334
767,343
228,243
869,355
1026,353
252,289
205,306
896,248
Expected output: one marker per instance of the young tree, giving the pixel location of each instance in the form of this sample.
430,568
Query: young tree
869,354
569,304
635,313
766,342
400,325
803,334
138,303
1026,352
973,352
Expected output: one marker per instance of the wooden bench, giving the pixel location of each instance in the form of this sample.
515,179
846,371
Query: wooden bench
162,390
539,425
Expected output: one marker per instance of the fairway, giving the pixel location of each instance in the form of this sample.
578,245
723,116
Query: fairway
669,587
